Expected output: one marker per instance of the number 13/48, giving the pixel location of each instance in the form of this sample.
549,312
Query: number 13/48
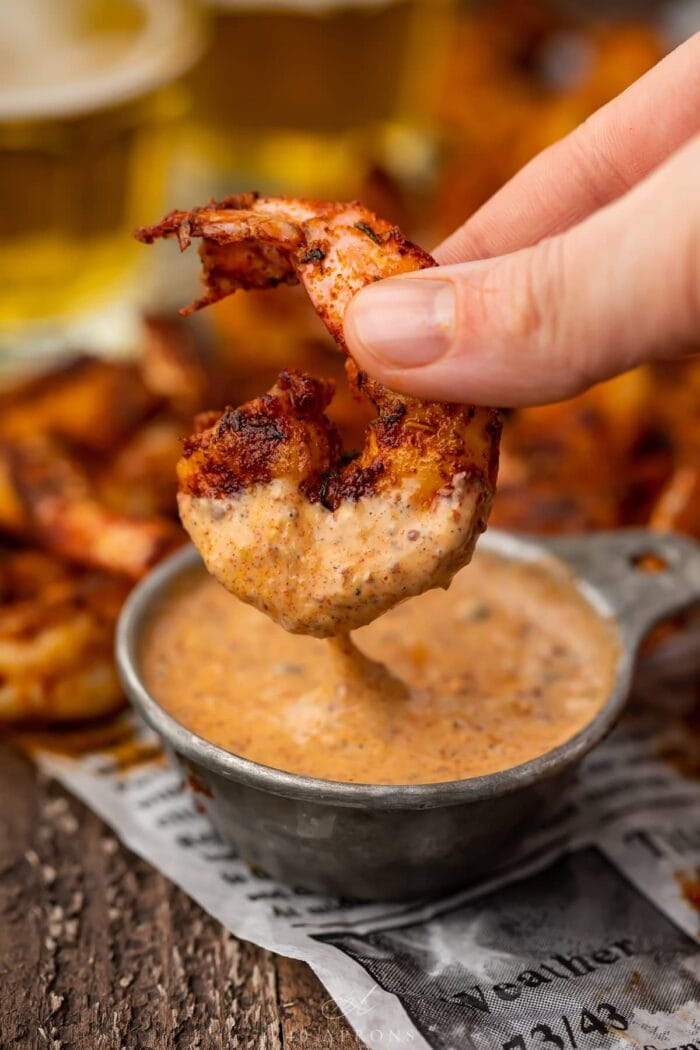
606,1019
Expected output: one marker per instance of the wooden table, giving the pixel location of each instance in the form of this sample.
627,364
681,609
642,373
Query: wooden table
99,952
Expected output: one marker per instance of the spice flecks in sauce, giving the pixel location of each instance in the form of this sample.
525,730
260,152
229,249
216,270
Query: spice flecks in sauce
506,665
289,557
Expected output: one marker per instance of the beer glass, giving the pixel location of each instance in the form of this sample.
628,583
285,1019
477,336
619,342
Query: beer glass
88,90
305,96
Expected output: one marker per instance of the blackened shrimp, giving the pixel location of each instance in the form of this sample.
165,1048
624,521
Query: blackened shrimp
321,541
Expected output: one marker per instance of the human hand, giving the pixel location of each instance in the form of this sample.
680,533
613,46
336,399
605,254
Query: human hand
584,265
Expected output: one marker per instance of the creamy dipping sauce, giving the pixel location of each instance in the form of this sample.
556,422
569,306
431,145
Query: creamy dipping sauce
318,572
507,664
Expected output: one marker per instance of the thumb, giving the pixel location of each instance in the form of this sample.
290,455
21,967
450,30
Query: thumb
546,322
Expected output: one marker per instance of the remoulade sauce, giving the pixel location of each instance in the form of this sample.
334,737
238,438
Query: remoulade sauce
507,664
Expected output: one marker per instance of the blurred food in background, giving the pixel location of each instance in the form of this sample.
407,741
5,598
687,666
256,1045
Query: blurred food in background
626,452
521,75
87,95
421,109
87,506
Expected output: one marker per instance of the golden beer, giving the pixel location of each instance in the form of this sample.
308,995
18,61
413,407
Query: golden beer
306,96
86,96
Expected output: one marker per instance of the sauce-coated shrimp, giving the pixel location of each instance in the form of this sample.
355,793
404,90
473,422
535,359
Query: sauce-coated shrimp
320,541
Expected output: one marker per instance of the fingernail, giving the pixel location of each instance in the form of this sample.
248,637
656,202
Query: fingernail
404,322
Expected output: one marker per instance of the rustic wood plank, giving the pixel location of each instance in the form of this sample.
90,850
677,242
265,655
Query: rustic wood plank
99,952
310,1018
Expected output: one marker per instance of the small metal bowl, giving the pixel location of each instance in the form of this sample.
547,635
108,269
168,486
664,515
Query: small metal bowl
377,841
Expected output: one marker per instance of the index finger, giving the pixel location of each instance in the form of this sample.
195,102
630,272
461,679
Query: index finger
598,162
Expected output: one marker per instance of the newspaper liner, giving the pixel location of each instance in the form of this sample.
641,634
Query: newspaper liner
586,938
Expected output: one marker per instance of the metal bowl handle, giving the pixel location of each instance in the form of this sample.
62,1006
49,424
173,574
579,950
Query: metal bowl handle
643,575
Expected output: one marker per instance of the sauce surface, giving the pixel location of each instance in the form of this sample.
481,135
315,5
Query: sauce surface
506,665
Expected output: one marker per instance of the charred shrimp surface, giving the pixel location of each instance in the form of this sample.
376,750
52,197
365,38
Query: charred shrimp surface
320,540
